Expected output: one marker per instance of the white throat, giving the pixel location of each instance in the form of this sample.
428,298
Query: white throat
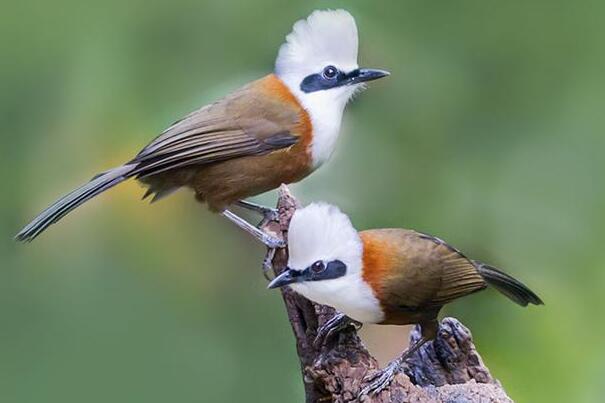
325,108
350,295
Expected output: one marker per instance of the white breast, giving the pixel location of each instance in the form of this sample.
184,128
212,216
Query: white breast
325,108
326,117
349,295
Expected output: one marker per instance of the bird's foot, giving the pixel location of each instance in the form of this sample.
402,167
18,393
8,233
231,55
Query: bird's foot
269,214
381,379
270,241
336,324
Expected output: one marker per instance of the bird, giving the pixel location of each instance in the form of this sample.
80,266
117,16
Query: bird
390,276
277,129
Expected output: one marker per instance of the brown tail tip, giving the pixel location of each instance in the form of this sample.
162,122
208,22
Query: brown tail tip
509,286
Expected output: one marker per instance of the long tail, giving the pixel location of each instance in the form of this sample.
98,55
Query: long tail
67,203
509,286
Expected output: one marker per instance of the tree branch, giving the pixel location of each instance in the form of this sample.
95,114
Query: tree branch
449,369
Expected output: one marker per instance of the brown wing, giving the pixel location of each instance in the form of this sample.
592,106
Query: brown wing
459,275
417,271
248,122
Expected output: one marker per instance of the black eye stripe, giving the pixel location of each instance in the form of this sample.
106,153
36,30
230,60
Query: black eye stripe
332,270
336,269
317,82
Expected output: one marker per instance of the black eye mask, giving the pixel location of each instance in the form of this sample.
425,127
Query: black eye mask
333,270
318,82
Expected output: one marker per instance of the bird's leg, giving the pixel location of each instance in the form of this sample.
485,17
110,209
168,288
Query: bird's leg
336,324
383,378
268,263
269,241
268,213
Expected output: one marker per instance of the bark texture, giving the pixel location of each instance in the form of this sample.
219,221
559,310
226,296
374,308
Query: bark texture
449,369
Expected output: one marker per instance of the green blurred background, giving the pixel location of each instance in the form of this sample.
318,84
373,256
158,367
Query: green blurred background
489,133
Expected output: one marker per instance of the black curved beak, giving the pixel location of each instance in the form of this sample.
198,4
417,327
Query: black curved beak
286,277
362,75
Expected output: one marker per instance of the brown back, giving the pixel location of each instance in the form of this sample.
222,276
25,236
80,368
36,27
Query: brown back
256,119
217,150
416,274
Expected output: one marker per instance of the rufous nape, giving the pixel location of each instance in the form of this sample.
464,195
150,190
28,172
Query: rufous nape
275,130
383,276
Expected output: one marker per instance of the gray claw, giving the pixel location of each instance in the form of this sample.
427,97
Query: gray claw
268,213
271,214
272,242
336,324
380,380
268,263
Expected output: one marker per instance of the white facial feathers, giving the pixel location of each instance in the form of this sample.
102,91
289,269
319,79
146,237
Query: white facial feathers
322,232
325,37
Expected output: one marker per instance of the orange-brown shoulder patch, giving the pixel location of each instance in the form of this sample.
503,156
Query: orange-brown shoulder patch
377,261
274,87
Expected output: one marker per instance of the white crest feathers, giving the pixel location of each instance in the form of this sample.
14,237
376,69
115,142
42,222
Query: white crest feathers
325,37
321,231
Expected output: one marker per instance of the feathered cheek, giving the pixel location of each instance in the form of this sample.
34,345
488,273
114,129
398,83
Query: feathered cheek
357,89
300,288
349,92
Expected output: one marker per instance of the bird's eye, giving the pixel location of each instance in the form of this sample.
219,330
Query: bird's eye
318,267
330,72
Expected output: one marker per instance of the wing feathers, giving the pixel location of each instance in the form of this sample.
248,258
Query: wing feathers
163,142
281,140
459,277
199,155
242,124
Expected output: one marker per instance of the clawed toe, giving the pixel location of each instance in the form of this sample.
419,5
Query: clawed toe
333,326
270,214
379,380
272,242
268,263
324,333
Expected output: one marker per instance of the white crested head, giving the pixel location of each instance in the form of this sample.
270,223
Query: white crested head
318,63
325,263
326,37
321,231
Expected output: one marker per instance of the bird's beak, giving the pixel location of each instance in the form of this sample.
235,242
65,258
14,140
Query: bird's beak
362,75
286,277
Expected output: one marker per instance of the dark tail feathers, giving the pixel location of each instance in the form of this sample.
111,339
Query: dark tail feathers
507,285
67,203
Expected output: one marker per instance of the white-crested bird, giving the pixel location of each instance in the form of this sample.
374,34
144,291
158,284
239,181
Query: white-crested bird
383,276
275,130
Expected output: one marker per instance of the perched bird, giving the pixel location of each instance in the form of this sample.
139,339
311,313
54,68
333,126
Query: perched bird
384,276
275,130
